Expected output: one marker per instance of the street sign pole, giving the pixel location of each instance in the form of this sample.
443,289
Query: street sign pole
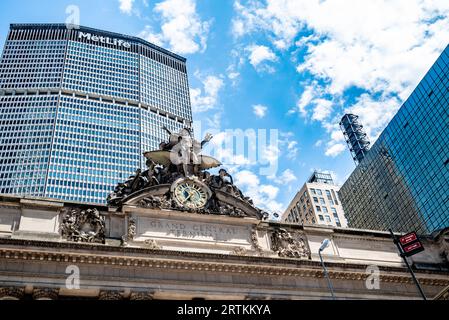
396,242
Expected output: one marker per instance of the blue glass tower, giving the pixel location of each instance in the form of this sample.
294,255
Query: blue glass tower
403,181
78,106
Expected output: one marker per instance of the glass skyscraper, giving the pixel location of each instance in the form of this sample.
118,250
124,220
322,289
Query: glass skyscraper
78,107
403,181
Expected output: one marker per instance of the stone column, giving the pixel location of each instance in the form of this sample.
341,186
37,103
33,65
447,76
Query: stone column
11,293
45,294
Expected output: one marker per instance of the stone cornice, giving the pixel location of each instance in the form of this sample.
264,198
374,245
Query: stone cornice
38,204
205,266
358,237
10,205
163,259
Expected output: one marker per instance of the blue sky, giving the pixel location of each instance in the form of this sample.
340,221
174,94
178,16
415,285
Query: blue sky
288,65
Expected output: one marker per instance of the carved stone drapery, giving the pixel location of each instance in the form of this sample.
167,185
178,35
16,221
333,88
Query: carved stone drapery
289,245
45,294
83,225
11,293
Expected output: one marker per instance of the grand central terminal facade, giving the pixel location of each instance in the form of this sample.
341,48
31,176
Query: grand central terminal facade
176,231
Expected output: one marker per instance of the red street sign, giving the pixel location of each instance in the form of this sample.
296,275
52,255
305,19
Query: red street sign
412,247
410,244
410,237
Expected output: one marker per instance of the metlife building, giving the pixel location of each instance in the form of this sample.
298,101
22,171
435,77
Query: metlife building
78,107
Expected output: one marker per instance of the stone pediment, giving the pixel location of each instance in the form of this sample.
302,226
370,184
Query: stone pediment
159,197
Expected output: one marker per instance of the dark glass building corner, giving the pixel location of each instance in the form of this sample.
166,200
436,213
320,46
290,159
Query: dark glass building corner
403,181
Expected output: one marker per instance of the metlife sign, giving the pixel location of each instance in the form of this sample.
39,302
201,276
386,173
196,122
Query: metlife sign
112,41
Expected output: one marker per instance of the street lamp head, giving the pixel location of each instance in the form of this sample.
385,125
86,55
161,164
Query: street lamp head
324,244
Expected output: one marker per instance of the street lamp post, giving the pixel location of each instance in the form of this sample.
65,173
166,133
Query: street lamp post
323,246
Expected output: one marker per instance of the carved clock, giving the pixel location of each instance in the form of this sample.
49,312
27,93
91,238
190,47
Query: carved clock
190,193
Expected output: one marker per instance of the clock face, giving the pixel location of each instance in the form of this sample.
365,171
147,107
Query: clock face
190,194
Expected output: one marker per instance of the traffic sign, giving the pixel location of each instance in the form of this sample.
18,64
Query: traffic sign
410,244
410,237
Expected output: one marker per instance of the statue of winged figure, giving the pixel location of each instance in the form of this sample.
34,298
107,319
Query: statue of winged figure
184,151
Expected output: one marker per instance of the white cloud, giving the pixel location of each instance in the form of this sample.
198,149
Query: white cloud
233,75
258,54
263,195
182,30
374,114
270,154
126,6
305,99
284,178
337,135
260,110
322,110
311,102
221,147
233,70
214,121
238,28
206,98
382,47
290,146
335,149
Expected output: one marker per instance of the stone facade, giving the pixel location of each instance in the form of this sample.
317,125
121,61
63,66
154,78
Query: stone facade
165,254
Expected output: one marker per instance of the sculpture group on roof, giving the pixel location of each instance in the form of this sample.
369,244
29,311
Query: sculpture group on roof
180,159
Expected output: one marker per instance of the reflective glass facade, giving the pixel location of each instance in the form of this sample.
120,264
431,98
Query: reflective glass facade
403,182
79,107
103,71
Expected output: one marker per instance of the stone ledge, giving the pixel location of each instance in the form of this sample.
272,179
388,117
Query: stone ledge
213,266
31,235
132,251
